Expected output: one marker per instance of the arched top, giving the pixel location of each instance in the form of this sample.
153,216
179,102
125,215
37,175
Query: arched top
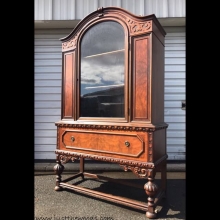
102,37
133,23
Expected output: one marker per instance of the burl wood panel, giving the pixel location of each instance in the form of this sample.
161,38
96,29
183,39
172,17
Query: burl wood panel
157,81
110,144
141,79
68,85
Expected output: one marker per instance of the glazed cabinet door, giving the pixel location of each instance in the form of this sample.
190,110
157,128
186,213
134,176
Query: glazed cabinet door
102,73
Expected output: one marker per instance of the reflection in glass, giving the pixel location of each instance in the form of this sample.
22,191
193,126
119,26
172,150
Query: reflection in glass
102,71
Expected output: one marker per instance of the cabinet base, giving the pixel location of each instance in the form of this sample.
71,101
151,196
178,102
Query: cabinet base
154,193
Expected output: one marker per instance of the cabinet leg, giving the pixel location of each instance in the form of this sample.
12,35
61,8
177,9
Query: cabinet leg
164,178
58,169
151,190
82,166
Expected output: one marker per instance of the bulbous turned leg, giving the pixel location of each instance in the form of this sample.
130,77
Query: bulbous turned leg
151,190
58,169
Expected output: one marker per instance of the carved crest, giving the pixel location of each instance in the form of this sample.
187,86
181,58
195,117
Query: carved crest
138,27
71,44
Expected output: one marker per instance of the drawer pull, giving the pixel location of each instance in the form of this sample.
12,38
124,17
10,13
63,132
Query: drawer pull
72,138
127,144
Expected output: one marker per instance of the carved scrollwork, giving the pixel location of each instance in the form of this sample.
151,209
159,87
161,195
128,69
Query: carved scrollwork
71,44
139,26
64,158
138,171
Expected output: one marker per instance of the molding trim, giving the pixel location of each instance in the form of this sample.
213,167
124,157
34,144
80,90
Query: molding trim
112,127
65,156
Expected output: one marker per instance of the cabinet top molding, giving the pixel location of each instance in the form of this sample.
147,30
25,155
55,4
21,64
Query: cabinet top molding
135,24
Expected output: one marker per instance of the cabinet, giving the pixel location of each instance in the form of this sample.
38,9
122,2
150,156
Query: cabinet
113,101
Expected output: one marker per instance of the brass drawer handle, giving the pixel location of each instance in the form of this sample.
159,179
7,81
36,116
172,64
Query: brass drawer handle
127,144
72,138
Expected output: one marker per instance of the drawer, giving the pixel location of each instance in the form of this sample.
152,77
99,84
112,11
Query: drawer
103,143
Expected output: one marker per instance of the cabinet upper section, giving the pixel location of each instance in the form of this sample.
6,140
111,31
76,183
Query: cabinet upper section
113,69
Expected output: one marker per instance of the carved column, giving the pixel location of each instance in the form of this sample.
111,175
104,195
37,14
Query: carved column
58,169
151,190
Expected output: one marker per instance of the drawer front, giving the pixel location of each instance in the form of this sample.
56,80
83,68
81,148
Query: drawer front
121,145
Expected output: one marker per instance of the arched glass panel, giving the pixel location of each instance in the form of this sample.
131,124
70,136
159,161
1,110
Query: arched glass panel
102,68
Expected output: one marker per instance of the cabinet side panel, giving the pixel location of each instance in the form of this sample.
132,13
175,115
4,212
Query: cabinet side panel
159,144
141,79
68,86
157,80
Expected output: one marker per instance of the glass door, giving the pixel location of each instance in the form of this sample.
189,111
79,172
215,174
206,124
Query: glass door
102,71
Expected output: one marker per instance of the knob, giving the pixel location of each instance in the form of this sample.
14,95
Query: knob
72,138
127,144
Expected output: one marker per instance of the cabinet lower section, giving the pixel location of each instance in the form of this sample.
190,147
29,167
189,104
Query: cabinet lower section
139,149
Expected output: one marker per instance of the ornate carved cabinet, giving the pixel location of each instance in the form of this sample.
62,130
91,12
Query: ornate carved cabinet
113,100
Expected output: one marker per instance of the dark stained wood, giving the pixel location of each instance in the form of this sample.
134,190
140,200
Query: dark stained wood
157,80
141,78
68,87
137,141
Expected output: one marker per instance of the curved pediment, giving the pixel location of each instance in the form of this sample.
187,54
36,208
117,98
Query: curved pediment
132,24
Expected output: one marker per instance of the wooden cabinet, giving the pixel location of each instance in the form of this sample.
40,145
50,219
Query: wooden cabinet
113,99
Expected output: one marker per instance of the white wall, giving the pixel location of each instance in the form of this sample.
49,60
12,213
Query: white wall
175,92
78,9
